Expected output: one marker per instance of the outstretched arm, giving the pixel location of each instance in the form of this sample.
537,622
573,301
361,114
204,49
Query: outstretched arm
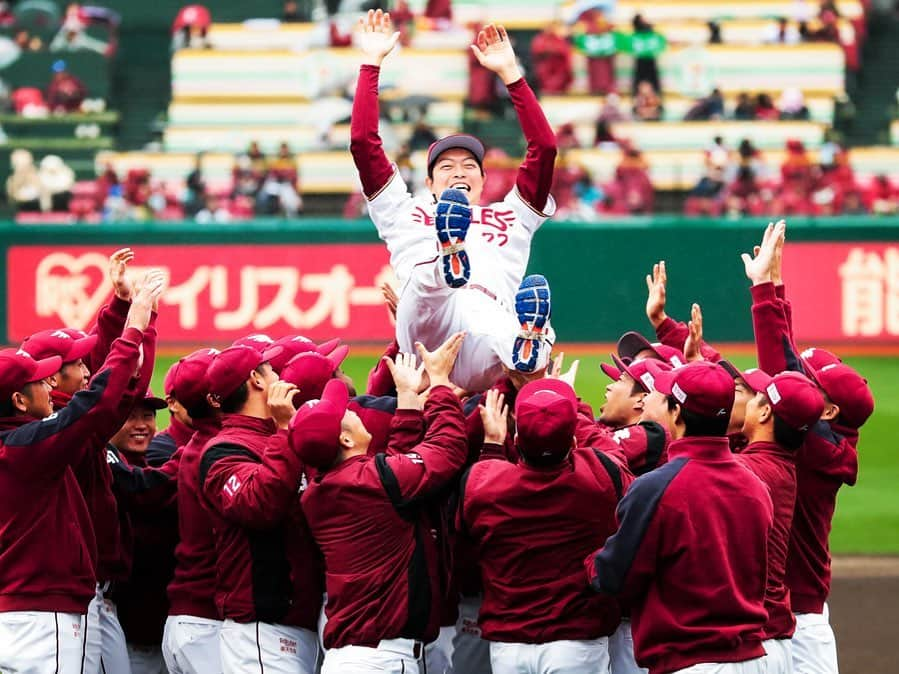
535,175
376,39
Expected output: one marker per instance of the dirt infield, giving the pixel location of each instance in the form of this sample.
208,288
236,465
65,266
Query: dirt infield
863,603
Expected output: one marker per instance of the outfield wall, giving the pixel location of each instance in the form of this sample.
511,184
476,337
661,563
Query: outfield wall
319,277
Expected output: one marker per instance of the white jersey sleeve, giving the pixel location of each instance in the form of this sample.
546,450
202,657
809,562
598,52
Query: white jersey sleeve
404,225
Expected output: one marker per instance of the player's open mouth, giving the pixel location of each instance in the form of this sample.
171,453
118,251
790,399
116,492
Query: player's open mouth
139,437
461,186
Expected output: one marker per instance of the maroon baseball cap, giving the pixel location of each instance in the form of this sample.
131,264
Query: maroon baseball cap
793,396
637,370
186,380
632,343
151,401
60,343
18,368
457,140
309,372
701,387
258,341
818,358
545,417
849,390
294,345
231,368
731,369
315,429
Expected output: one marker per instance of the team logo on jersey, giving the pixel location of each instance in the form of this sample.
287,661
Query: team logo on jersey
111,457
621,434
415,458
232,486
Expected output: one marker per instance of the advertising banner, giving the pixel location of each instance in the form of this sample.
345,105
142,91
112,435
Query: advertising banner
215,293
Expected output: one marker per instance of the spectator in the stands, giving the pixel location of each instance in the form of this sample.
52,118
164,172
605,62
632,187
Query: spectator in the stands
439,9
284,164
707,108
258,160
137,187
195,192
566,137
65,93
594,37
714,32
404,20
744,194
422,136
646,45
551,56
632,185
884,196
781,32
23,187
647,104
797,179
482,95
57,181
244,180
744,110
212,211
502,170
566,177
278,196
765,110
191,27
706,197
603,133
827,31
749,156
792,105
291,13
337,36
611,110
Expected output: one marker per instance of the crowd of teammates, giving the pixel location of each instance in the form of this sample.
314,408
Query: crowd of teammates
284,523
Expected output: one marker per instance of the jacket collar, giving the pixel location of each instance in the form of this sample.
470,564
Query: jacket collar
241,422
59,399
179,432
771,448
701,448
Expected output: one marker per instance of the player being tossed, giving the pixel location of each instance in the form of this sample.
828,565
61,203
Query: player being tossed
461,267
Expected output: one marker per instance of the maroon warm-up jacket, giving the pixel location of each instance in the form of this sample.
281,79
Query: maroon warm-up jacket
532,528
47,545
827,460
192,590
776,467
368,516
267,567
689,558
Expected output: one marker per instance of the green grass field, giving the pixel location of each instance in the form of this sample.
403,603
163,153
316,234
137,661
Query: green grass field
867,518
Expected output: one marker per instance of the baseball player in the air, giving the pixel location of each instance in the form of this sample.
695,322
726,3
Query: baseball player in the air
460,265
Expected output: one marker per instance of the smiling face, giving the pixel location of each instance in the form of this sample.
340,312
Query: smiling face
137,432
624,402
457,168
73,377
742,395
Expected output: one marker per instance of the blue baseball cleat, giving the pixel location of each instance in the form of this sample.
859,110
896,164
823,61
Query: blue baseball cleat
452,222
533,307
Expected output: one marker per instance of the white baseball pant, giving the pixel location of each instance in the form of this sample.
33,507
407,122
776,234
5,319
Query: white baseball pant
471,653
754,666
146,660
589,656
439,653
621,651
430,312
105,651
814,644
265,648
190,645
42,642
779,656
392,656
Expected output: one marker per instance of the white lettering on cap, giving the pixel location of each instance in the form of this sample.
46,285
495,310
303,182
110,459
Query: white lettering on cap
23,352
648,380
807,353
60,334
678,393
677,362
773,394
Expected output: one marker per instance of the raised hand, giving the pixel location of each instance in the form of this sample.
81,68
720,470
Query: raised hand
118,266
406,374
693,344
375,37
494,51
655,294
151,287
280,403
391,299
777,266
439,363
494,416
556,371
758,267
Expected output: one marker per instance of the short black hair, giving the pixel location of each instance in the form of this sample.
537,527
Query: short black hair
786,436
202,410
637,388
234,401
7,409
697,425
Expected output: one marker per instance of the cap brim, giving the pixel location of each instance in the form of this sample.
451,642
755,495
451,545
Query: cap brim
46,367
271,352
610,371
81,347
663,380
456,141
325,348
757,380
632,343
337,394
338,355
154,403
731,369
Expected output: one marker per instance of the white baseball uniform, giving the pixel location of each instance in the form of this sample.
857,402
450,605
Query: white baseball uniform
264,648
779,656
392,656
621,651
589,656
105,649
190,645
439,653
754,666
498,245
41,642
471,653
814,645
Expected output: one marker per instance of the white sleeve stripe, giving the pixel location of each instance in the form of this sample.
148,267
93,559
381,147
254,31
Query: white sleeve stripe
385,186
